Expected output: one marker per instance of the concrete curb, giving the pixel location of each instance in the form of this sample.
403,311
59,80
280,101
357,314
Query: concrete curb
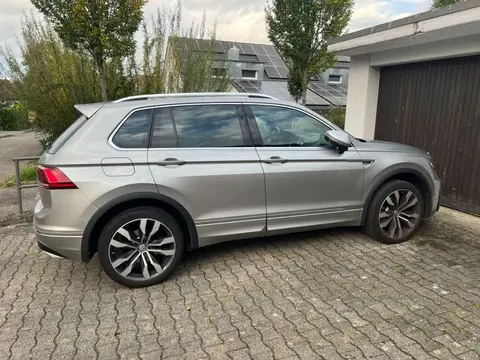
16,219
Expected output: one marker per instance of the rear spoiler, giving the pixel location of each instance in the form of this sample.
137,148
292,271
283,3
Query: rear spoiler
89,109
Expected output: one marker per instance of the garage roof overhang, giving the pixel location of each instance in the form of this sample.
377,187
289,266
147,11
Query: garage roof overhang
461,20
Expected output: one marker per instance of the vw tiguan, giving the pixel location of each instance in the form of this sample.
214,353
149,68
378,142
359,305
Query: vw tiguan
142,179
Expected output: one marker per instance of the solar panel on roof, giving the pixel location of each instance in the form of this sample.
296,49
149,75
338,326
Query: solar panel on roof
219,47
259,50
337,87
264,59
282,70
270,50
334,93
272,72
203,45
277,61
279,90
248,49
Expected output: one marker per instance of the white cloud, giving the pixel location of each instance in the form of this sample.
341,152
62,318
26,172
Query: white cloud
10,22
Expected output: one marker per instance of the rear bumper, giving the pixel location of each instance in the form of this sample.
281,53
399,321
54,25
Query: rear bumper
62,245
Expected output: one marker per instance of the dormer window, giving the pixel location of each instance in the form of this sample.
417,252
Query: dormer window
250,74
335,79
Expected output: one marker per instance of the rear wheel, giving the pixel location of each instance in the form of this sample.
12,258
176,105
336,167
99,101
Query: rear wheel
395,212
140,247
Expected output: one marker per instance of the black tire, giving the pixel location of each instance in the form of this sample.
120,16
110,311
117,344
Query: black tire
131,215
372,221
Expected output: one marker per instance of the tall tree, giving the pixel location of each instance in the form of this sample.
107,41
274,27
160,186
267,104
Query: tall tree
300,29
103,28
441,3
7,90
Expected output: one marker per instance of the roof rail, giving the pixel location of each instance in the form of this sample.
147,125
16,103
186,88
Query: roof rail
178,95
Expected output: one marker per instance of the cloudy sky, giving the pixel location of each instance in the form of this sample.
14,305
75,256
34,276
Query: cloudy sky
240,20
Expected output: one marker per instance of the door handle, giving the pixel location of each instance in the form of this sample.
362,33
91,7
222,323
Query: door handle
171,161
275,160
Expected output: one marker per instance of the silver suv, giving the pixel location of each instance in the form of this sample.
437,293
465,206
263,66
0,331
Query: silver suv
142,179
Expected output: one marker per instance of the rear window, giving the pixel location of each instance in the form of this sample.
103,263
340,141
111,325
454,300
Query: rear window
67,134
134,132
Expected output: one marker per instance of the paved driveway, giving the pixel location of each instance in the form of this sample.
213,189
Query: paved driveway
328,294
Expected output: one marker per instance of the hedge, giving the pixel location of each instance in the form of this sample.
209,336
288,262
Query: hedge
13,118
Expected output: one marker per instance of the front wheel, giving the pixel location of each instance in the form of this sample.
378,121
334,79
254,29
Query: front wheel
395,212
140,247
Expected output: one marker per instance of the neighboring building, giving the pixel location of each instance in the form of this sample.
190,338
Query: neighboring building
257,68
416,81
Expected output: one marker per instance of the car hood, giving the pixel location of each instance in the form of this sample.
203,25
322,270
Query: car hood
385,146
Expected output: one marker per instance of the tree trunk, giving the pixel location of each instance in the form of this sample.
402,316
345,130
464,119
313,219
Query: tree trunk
103,83
102,77
304,96
305,86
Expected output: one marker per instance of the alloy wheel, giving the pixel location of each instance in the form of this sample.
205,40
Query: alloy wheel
399,214
141,249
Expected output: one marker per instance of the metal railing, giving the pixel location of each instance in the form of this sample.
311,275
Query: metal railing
20,187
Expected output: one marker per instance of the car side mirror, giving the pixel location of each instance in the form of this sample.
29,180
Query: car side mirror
339,139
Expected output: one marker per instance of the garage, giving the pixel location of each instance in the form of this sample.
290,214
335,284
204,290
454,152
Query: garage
434,105
416,81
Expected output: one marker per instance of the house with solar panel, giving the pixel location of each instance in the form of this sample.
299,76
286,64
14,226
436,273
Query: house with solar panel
257,68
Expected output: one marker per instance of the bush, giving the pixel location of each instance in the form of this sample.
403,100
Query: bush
50,78
336,115
13,118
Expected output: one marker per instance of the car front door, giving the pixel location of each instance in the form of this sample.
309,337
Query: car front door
203,157
308,183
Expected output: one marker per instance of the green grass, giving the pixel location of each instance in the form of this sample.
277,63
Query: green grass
28,174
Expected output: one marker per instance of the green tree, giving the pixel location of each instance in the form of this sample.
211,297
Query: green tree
295,83
300,29
103,28
7,91
50,78
191,65
441,3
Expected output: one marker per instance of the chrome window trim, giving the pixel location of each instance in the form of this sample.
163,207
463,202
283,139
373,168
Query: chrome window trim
261,103
110,139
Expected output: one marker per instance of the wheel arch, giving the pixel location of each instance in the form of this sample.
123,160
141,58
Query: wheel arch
101,217
414,175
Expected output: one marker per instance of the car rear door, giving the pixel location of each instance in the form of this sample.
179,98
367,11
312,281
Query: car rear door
202,155
308,183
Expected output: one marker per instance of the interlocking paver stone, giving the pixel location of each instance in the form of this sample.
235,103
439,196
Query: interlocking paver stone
331,294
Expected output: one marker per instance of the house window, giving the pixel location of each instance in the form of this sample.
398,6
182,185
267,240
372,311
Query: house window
335,79
249,74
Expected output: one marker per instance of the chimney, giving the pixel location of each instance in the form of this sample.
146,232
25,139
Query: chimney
234,53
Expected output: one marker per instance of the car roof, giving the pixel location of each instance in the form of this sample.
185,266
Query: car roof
131,103
197,100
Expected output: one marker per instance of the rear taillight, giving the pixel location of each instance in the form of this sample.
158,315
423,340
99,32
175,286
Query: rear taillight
53,178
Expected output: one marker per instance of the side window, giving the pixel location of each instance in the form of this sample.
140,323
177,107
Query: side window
133,134
163,131
208,126
280,126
